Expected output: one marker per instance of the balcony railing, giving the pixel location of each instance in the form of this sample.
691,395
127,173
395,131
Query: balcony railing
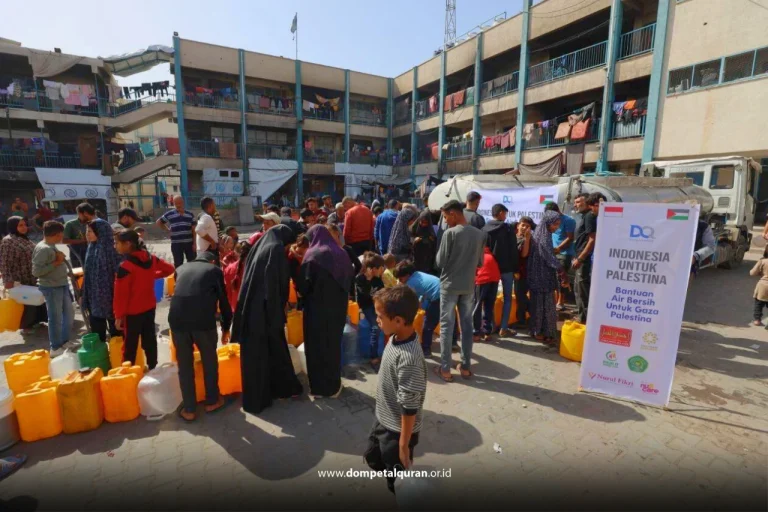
325,114
371,159
423,107
636,128
497,150
569,64
424,157
67,157
401,159
271,105
272,151
321,156
458,150
109,109
146,151
212,149
547,138
500,86
210,101
637,42
367,114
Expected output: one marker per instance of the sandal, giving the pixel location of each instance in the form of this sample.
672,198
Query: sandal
9,465
465,374
221,404
181,412
442,377
757,323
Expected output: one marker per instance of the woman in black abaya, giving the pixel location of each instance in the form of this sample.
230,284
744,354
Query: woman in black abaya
324,280
259,323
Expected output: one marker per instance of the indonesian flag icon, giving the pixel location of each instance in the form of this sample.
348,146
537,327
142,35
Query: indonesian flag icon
613,211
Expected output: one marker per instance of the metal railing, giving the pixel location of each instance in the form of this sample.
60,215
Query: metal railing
422,108
568,64
210,101
458,150
212,149
110,109
320,156
47,105
371,159
546,139
503,86
147,151
272,151
424,157
497,150
363,113
637,42
636,128
282,106
325,114
67,157
401,159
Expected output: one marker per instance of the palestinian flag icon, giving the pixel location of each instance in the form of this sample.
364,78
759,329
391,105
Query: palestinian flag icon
613,211
546,199
677,214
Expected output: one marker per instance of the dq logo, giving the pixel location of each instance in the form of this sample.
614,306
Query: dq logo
645,232
506,199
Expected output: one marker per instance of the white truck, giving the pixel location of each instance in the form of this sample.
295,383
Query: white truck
725,188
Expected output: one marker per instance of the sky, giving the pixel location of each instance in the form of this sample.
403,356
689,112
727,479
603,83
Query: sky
383,38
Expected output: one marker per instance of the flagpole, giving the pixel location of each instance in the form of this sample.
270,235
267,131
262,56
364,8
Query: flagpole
296,16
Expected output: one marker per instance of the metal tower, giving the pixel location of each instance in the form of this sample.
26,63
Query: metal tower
450,22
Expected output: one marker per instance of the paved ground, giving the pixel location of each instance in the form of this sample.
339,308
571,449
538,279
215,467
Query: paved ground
559,448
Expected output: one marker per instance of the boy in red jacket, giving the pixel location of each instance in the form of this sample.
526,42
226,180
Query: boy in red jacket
134,299
486,288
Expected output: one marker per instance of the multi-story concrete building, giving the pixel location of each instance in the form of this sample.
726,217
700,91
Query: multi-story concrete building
639,80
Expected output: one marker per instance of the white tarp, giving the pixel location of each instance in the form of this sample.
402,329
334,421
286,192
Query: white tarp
639,283
70,184
356,174
265,183
264,164
521,202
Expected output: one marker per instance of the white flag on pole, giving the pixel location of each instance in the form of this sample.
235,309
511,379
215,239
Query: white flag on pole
294,25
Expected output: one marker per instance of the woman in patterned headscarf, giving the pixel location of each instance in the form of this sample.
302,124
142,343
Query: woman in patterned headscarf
101,263
400,239
16,267
543,270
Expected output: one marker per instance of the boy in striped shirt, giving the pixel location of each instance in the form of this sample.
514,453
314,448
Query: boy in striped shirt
401,387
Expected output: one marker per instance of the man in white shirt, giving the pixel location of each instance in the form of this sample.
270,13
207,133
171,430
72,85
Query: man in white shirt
206,230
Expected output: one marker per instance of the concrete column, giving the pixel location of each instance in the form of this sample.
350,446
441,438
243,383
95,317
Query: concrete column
614,37
184,178
244,126
299,134
414,135
346,116
441,100
477,130
390,120
654,89
523,82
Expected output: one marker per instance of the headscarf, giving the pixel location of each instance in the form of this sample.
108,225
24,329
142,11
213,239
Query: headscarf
375,203
542,264
13,226
400,239
326,253
417,230
264,285
425,250
101,263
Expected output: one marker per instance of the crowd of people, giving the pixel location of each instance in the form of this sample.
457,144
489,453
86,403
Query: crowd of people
392,260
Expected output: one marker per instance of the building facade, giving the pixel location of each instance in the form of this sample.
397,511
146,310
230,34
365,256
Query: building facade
604,85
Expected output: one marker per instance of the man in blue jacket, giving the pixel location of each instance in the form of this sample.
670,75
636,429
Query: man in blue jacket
384,222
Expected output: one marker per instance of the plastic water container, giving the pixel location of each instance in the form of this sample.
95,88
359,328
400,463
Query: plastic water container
27,295
94,353
159,391
159,287
353,312
80,401
170,285
292,297
296,359
230,375
418,322
116,353
10,315
572,340
119,392
62,365
9,425
37,411
172,349
302,359
294,328
364,340
349,352
23,370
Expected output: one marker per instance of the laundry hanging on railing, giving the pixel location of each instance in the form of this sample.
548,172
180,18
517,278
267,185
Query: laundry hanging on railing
503,140
629,111
580,130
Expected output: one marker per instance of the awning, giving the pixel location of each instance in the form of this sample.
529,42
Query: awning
69,184
129,64
396,181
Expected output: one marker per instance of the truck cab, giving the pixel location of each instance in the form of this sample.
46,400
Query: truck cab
733,184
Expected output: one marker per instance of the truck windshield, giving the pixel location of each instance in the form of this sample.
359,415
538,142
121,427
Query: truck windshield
696,176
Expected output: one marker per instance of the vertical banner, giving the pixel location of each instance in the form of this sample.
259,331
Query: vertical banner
521,202
642,262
